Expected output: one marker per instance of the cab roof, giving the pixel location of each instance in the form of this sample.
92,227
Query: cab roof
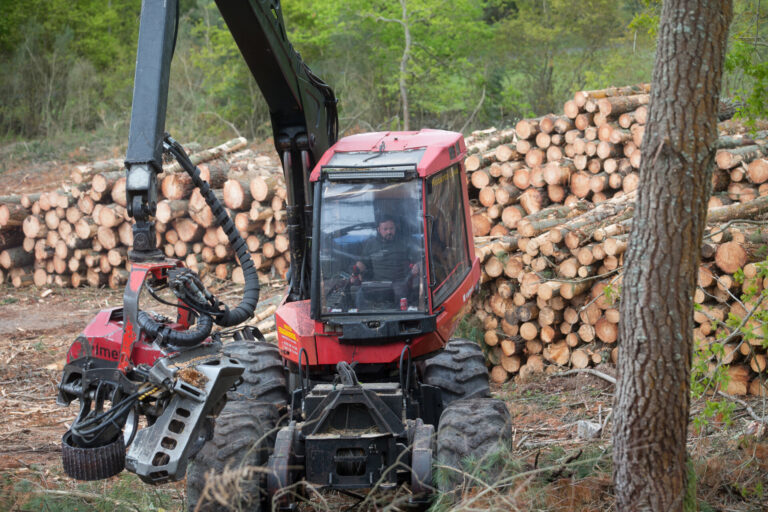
441,148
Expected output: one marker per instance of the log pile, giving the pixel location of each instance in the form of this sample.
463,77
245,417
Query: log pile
552,205
80,235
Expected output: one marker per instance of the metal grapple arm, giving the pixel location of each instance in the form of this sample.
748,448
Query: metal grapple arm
302,109
143,161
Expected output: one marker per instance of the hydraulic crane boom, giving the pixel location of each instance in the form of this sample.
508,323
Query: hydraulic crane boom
302,109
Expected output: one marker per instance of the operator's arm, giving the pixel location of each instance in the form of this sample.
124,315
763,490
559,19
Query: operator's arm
302,110
363,267
414,259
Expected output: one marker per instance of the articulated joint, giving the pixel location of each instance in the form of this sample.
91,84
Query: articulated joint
141,190
141,196
294,139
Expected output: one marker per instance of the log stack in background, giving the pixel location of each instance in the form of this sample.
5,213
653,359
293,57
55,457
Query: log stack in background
552,205
79,235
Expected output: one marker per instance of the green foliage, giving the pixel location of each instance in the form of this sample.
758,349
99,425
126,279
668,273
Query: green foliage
612,293
708,373
232,95
471,64
647,18
551,49
746,62
65,64
744,58
689,501
358,47
470,327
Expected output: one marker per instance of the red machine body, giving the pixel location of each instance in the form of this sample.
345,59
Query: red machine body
382,270
112,336
103,336
296,330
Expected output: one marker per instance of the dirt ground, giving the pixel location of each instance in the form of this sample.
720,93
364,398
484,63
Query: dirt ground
35,333
559,468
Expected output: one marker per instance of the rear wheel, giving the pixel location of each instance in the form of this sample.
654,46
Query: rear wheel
242,443
471,437
264,379
459,371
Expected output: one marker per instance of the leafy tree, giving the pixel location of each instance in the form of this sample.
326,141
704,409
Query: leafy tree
66,63
746,63
365,43
747,59
548,45
231,95
469,64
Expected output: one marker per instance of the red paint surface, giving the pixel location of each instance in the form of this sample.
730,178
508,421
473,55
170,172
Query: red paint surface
104,335
109,338
435,158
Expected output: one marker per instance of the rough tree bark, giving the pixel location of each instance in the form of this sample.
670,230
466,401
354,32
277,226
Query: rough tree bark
652,396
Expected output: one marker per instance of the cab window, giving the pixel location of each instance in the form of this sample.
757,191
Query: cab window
448,252
371,248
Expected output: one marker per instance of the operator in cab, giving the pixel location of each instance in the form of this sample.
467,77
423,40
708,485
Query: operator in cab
387,257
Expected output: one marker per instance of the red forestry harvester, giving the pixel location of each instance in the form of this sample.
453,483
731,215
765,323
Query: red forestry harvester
364,371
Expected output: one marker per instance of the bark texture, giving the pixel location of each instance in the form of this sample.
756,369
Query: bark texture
656,327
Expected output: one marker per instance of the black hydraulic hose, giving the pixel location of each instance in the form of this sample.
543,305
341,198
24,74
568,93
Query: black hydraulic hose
247,305
175,338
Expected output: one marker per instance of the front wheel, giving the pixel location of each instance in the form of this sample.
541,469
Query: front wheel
264,379
226,473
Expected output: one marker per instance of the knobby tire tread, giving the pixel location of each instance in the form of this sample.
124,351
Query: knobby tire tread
459,371
244,436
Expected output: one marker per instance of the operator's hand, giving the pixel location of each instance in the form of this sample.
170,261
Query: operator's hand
415,269
357,273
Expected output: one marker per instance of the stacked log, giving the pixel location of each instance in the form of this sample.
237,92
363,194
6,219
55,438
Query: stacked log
80,235
552,207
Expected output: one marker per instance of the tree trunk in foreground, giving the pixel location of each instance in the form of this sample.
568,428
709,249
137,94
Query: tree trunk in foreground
656,328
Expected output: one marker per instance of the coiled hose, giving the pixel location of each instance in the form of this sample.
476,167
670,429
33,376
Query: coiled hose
227,317
247,305
188,338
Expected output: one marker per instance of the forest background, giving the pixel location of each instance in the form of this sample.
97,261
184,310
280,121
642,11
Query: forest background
67,67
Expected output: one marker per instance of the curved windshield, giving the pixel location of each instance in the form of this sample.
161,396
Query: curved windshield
371,247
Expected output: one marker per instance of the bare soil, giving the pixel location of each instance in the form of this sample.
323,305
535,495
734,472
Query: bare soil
559,470
35,333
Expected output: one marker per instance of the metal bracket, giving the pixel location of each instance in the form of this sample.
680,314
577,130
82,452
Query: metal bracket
161,451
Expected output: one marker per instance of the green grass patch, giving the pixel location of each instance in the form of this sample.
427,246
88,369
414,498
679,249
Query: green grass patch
470,327
38,491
